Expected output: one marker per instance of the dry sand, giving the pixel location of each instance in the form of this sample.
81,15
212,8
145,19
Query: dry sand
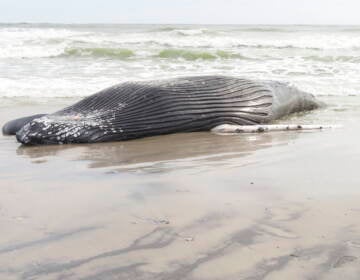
281,205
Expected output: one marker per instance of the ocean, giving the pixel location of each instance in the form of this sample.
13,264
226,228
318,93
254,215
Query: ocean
54,60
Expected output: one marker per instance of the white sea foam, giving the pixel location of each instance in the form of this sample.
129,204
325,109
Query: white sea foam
72,60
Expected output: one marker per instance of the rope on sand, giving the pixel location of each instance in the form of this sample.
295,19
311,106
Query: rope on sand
228,128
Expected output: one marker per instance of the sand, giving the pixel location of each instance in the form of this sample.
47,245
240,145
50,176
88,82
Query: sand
279,205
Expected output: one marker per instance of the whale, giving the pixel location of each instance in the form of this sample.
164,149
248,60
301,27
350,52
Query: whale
13,126
131,110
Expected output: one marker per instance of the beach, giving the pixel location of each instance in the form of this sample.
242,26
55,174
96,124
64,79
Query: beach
184,206
276,205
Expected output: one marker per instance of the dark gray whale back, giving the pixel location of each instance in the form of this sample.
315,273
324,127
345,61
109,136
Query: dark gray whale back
138,109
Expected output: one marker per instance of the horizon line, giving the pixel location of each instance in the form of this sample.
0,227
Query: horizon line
173,23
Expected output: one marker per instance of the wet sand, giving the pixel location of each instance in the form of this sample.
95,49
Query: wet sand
282,205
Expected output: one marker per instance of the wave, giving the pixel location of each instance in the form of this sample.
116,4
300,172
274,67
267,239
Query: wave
269,46
163,29
355,29
329,58
195,55
185,31
123,53
194,32
119,53
265,29
215,29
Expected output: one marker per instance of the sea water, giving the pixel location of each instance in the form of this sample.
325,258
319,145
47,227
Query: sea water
40,61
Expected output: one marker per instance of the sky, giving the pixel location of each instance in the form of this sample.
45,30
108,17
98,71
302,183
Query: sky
182,11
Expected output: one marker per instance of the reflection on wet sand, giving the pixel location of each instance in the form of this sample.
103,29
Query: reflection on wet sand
151,153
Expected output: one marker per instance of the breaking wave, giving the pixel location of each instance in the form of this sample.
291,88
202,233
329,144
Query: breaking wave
195,54
185,31
51,60
279,47
100,52
334,58
194,32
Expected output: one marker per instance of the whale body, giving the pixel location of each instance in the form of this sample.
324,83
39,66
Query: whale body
138,109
